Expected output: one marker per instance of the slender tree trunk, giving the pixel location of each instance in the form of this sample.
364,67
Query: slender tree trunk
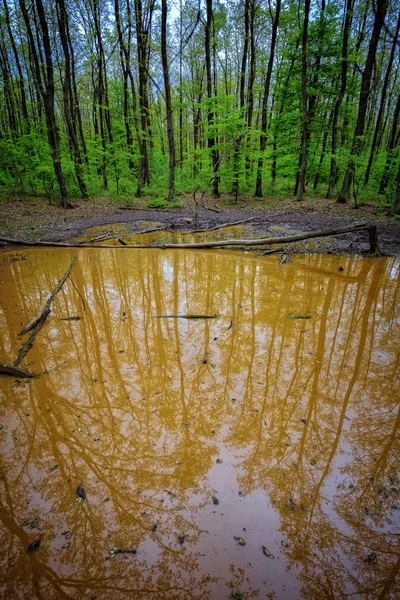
391,146
210,114
180,86
267,86
19,69
67,97
333,176
47,92
303,168
323,150
382,104
124,60
395,209
251,80
242,83
168,102
142,35
357,144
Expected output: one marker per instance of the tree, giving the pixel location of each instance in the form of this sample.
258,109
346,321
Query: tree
263,136
304,95
357,144
168,102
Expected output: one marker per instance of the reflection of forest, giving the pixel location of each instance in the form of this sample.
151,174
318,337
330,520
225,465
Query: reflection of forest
136,410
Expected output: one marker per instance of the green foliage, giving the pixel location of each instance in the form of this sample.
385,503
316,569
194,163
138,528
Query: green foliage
111,165
156,203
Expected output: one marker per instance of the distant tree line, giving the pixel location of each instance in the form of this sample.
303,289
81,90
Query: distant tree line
260,97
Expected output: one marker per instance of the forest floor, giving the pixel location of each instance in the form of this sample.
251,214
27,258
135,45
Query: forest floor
35,219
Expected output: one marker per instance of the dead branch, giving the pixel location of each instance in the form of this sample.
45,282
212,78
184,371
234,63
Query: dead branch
45,308
23,351
15,371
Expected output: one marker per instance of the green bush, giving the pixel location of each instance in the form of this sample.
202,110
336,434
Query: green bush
157,203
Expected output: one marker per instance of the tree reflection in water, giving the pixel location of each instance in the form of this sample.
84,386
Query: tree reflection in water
303,413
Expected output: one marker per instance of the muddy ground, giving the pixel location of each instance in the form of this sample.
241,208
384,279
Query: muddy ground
35,219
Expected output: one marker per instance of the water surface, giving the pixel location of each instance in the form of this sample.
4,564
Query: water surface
291,424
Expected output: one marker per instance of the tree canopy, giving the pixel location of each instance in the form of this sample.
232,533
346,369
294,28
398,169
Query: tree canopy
132,97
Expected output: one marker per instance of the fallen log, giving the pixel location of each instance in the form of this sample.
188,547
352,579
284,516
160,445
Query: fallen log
15,371
219,244
45,308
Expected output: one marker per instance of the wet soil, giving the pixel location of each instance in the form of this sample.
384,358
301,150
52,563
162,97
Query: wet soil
38,220
254,454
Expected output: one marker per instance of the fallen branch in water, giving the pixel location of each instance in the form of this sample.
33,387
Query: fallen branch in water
372,230
15,371
187,317
45,308
23,351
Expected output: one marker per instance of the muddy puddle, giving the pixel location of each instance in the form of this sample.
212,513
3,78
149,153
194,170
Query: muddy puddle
250,455
154,233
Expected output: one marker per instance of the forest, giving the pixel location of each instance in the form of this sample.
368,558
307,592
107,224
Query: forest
130,98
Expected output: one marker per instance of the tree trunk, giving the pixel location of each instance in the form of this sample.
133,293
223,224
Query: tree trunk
242,82
267,86
303,167
395,209
391,146
357,144
19,69
47,92
382,104
168,103
210,114
142,35
67,96
333,176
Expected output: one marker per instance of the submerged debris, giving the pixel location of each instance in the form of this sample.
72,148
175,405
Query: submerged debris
292,316
266,552
235,595
34,546
239,540
70,318
215,500
80,492
371,559
114,551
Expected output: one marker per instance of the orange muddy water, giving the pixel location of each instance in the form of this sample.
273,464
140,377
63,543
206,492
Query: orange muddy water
253,455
